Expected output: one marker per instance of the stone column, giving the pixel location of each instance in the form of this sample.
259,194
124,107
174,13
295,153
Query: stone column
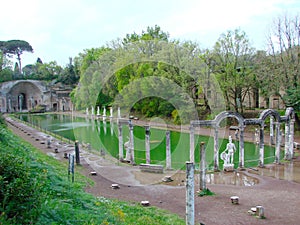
287,154
77,157
272,130
168,150
192,143
147,143
131,139
241,149
216,149
278,140
202,183
291,138
261,146
190,201
121,157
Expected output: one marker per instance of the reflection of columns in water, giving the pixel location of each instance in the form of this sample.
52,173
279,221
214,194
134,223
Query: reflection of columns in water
98,126
216,149
192,143
147,143
104,126
131,142
288,171
168,150
261,145
277,144
93,125
276,172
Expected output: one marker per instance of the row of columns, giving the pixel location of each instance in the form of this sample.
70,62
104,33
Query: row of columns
289,135
289,140
122,122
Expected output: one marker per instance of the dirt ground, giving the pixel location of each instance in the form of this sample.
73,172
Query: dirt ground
276,187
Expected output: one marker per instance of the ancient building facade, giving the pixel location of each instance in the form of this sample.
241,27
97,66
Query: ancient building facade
27,95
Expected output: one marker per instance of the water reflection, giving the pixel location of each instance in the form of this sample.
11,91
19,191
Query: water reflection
289,171
225,178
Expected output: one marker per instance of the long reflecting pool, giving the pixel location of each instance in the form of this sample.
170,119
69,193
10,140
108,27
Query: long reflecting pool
103,135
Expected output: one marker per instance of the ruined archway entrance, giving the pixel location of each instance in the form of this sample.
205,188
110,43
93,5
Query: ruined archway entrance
24,96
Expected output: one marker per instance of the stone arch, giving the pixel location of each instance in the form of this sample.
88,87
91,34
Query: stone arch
269,112
218,119
262,118
30,91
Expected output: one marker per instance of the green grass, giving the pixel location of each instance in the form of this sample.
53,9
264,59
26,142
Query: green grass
34,189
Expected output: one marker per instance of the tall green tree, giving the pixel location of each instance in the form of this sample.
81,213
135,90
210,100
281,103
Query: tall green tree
16,47
232,61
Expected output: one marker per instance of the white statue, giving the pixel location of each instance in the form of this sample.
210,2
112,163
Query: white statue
231,149
128,150
98,111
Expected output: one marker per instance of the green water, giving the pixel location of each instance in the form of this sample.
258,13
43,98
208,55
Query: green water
104,136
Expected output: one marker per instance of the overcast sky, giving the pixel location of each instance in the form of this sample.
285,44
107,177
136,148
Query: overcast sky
59,29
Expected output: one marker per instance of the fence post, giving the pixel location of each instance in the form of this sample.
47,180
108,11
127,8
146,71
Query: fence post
77,157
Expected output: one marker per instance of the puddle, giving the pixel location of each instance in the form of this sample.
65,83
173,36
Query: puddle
289,171
226,178
178,178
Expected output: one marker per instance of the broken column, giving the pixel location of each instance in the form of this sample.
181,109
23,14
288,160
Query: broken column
190,202
77,157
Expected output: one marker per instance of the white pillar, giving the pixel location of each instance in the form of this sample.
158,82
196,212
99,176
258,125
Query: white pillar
190,201
287,155
241,149
261,146
291,138
121,157
131,142
147,143
278,140
271,130
202,167
216,150
192,143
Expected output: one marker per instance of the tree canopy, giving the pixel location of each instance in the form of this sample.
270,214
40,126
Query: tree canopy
15,47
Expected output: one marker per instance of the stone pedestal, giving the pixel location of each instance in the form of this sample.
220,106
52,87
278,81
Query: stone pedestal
228,167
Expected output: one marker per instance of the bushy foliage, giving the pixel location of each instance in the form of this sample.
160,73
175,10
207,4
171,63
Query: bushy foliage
34,189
